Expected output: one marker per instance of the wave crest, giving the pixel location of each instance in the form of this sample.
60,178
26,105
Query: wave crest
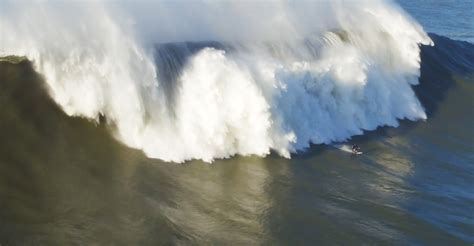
353,71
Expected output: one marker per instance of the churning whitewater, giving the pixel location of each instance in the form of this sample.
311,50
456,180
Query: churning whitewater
196,80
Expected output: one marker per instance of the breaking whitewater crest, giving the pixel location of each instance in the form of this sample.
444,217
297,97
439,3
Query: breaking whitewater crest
179,101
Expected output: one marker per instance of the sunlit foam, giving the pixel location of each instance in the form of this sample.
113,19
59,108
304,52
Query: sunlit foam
306,73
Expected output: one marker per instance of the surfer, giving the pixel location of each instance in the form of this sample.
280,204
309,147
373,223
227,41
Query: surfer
355,149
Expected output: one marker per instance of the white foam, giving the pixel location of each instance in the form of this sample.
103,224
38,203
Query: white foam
248,101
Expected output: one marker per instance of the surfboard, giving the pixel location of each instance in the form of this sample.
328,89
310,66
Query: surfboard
347,148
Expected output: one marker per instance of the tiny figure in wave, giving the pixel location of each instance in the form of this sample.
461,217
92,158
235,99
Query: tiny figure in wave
356,149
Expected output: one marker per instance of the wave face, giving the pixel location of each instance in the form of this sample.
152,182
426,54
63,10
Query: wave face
279,79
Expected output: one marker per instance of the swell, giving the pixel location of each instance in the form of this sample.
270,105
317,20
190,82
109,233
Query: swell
440,66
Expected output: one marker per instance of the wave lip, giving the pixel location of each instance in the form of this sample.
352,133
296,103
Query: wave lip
319,83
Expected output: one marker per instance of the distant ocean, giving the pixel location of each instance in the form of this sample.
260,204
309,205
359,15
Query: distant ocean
452,18
162,123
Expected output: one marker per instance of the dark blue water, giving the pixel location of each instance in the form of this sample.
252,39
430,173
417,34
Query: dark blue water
450,18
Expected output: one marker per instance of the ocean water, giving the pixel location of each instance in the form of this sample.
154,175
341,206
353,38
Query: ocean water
215,169
452,18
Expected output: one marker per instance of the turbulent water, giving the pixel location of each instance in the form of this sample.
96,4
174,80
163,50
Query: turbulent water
260,91
276,88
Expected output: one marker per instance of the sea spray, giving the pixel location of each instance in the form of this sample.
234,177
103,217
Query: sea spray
296,74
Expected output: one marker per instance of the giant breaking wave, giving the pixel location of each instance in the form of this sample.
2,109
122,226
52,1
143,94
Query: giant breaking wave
278,75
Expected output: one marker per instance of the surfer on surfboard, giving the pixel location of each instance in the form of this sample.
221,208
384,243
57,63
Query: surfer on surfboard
356,149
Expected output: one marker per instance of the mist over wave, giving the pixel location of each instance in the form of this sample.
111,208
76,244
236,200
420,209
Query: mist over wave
278,75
